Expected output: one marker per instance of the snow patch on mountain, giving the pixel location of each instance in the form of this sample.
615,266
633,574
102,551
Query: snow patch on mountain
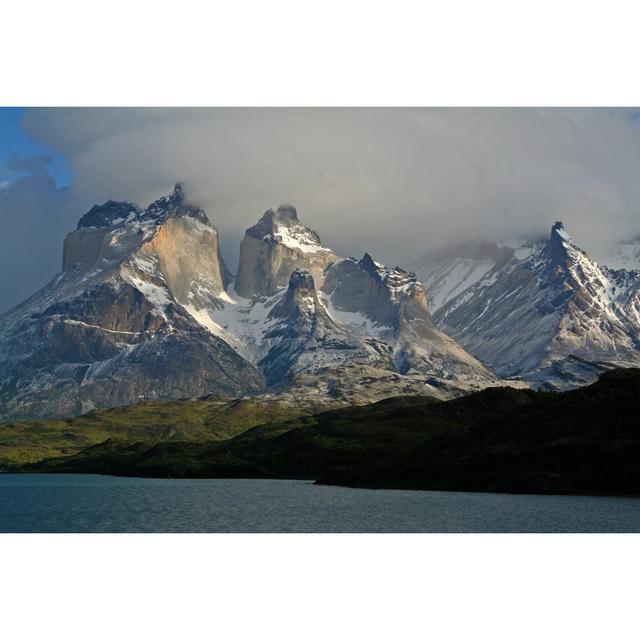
447,273
355,320
552,315
296,237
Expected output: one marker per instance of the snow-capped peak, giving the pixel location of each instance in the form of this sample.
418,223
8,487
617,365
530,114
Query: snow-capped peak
114,214
283,227
273,247
398,281
109,214
551,315
558,228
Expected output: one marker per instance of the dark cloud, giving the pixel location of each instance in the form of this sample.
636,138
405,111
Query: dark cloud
35,216
391,181
398,178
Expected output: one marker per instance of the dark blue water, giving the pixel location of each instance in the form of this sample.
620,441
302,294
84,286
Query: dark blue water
89,503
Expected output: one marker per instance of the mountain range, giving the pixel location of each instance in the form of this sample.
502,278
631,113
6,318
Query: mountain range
542,311
146,309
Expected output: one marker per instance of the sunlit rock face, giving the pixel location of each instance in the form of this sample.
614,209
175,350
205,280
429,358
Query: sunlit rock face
115,325
145,308
391,304
276,245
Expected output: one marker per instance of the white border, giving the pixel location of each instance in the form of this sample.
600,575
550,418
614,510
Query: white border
319,586
329,53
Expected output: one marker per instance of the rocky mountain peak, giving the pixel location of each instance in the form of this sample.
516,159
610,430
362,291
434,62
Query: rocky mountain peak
398,282
283,226
174,205
301,280
559,242
273,248
286,213
109,214
114,214
367,263
549,314
301,301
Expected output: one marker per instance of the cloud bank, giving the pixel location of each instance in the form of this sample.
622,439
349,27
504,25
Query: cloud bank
35,216
394,182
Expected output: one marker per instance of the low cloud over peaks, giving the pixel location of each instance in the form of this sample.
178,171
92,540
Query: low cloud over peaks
394,182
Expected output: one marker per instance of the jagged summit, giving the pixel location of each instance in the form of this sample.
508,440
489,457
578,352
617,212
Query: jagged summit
300,300
369,264
145,308
272,248
549,313
282,226
559,242
301,279
397,281
109,214
390,304
118,214
174,205
286,212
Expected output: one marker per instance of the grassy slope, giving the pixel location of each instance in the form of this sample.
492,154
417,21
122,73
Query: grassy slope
198,420
305,446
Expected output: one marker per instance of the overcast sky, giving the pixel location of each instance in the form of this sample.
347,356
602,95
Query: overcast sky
394,182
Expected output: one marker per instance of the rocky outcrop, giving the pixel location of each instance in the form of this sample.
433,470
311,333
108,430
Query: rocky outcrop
391,304
114,326
145,308
276,245
302,336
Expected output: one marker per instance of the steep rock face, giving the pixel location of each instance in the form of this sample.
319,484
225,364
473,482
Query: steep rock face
384,296
343,328
145,308
303,337
276,245
169,237
391,304
114,327
550,315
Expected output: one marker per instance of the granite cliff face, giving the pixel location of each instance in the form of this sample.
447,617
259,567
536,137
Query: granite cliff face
276,245
113,327
145,308
303,337
391,304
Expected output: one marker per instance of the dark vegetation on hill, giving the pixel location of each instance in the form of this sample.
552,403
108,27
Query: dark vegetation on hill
585,441
201,420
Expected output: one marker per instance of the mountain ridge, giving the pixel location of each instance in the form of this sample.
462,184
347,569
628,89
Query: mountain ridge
545,312
145,308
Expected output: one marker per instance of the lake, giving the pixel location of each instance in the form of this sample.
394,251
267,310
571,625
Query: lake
92,503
